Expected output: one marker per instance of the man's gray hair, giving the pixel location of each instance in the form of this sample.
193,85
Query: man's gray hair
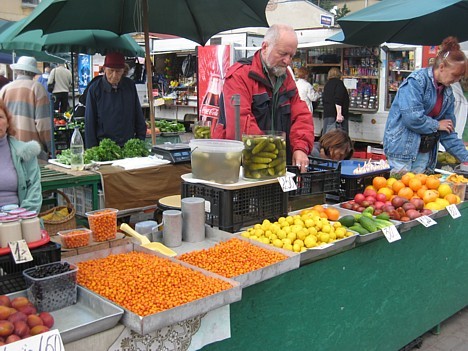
273,33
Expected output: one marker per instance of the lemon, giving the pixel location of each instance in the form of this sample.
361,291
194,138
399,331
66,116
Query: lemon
324,237
326,228
258,233
442,202
310,241
281,234
336,225
303,249
340,232
299,222
296,248
288,247
301,234
281,220
290,220
433,206
257,226
278,243
273,237
287,230
292,236
265,240
245,234
444,189
295,228
332,235
299,242
309,223
312,231
286,241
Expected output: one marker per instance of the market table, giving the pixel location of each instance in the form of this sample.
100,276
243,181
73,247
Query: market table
377,296
53,177
138,188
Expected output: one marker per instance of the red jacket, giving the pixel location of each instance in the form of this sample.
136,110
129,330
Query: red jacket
292,115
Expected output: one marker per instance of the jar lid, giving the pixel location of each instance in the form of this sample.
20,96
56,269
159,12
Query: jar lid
3,214
28,214
17,211
9,218
7,208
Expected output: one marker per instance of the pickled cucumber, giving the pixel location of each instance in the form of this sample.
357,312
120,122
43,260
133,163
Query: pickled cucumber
264,157
216,166
201,132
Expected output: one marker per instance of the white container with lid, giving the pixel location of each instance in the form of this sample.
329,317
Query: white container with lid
8,208
216,160
10,230
17,211
30,226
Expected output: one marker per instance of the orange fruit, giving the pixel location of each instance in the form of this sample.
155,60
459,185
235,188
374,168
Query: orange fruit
415,184
370,187
432,182
397,186
406,192
387,192
323,214
406,178
318,208
332,213
422,177
379,182
430,196
452,199
421,191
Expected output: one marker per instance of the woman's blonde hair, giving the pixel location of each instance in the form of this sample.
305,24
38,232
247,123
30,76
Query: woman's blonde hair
334,72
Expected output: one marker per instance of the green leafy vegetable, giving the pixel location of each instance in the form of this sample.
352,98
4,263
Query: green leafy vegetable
169,127
135,148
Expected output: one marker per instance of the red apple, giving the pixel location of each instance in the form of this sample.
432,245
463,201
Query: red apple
47,319
370,199
359,198
398,201
370,192
346,205
408,206
413,214
377,212
418,203
378,205
426,212
365,203
380,197
361,208
388,208
356,207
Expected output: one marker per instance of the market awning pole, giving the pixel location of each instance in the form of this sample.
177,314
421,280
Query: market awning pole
73,80
149,75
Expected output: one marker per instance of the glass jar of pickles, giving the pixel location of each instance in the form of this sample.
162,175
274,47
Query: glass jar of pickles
264,155
202,130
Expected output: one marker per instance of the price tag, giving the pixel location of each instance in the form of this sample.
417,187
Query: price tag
20,251
426,221
453,210
391,233
287,183
50,341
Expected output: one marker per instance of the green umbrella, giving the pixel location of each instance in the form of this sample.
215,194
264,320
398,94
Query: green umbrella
81,41
418,22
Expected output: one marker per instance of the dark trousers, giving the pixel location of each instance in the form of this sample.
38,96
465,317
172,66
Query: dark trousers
61,102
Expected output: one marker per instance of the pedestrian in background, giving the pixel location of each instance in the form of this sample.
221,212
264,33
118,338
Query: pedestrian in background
113,108
422,114
3,79
305,89
61,77
27,101
335,99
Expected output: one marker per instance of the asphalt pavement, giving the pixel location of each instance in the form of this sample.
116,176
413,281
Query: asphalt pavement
453,335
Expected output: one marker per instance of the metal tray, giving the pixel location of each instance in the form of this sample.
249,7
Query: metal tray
90,315
156,321
318,253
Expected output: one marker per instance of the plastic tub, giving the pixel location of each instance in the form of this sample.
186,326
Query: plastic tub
51,292
264,155
103,223
216,160
74,238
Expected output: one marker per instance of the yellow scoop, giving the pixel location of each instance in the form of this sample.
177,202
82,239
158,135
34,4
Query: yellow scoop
155,246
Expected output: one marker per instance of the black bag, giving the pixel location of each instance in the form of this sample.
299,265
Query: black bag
428,142
188,66
50,87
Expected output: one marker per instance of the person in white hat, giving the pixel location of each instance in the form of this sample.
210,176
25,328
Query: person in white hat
28,102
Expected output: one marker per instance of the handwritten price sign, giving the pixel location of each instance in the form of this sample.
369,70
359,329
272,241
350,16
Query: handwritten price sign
287,183
391,233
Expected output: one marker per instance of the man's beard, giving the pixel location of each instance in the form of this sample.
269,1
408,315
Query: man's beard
278,71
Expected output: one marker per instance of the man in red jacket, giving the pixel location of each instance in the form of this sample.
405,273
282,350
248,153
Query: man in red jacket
268,96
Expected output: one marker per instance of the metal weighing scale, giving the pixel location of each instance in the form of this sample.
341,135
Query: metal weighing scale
175,153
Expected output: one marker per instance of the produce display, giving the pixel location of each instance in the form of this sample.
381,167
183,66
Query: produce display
103,224
365,222
74,238
146,284
405,199
264,156
108,150
56,215
232,258
19,319
308,229
170,127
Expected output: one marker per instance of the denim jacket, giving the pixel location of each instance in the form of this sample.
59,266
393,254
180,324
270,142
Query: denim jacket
408,119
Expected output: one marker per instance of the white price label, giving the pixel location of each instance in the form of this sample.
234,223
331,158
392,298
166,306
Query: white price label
20,251
50,341
453,210
287,183
391,233
426,221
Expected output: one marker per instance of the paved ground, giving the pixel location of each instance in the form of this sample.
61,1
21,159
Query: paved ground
453,335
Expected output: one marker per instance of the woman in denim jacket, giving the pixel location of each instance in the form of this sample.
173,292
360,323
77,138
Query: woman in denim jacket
422,114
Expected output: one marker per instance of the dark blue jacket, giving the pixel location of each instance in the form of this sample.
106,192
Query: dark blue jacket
113,113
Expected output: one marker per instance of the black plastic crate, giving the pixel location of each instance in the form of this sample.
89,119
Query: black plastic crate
350,186
322,176
11,274
230,210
